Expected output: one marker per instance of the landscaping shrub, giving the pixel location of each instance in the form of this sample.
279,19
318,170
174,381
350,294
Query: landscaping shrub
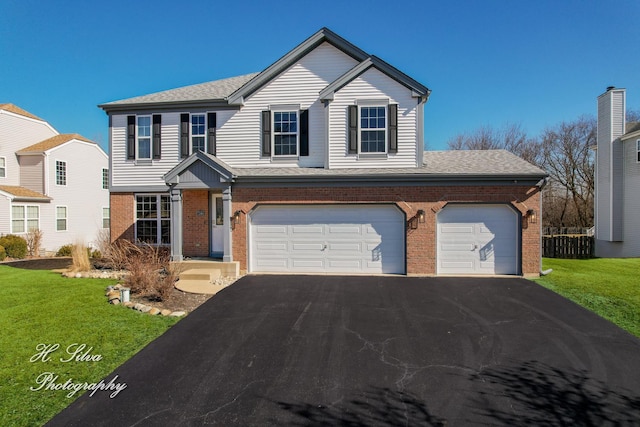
34,241
95,253
150,272
14,246
3,253
80,255
65,250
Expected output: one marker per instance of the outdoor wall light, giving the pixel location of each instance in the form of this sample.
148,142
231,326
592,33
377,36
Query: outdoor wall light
531,216
235,219
421,216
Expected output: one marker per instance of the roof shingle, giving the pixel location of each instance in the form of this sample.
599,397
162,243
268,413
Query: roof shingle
53,142
17,110
22,192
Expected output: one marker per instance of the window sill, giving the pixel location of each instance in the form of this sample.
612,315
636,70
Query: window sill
143,162
373,156
277,159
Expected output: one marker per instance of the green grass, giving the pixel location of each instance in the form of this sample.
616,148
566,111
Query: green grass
609,287
41,307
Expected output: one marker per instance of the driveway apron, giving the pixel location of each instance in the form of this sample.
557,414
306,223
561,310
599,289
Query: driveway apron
385,350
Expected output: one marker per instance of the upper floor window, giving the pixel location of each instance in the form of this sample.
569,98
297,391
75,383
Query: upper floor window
373,128
61,173
24,218
285,133
144,137
105,179
3,167
198,133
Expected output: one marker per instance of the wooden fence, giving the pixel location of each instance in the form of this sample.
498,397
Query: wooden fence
568,246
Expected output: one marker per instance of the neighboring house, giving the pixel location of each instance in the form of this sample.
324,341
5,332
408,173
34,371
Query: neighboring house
316,164
51,182
617,222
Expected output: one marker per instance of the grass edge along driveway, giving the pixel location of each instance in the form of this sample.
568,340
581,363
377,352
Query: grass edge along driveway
609,287
42,315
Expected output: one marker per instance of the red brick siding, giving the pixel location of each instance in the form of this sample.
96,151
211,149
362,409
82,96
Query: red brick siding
420,242
122,210
195,227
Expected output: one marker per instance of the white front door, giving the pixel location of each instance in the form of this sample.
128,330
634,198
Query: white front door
217,219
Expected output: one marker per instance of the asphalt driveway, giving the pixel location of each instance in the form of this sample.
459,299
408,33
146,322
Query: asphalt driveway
363,351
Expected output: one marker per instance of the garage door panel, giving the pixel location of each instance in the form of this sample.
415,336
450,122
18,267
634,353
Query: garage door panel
336,238
478,239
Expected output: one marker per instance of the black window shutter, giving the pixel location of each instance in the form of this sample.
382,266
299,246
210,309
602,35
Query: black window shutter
211,133
131,137
304,132
157,135
184,135
393,128
353,129
266,133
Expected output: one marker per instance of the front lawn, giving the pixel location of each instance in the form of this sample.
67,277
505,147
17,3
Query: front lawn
42,311
607,286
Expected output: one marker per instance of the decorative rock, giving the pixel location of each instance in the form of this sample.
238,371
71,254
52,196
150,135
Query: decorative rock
115,301
78,275
118,286
109,288
128,304
145,309
154,311
113,294
177,314
165,312
138,306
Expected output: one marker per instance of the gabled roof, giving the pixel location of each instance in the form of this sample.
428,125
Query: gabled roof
53,142
224,170
17,110
418,89
21,193
631,129
232,91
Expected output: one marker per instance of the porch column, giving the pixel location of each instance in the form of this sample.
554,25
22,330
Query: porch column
226,214
176,224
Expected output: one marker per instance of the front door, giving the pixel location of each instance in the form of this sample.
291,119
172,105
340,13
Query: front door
217,219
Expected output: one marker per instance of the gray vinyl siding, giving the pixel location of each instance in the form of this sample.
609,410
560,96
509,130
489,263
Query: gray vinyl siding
608,210
32,173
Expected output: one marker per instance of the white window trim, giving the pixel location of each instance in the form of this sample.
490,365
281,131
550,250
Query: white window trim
4,162
158,218
24,218
191,135
150,137
66,218
66,173
638,151
373,104
285,109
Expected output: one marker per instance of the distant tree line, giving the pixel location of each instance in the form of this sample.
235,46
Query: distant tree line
564,151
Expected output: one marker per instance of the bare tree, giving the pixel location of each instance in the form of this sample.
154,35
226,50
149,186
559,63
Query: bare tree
510,137
567,157
633,116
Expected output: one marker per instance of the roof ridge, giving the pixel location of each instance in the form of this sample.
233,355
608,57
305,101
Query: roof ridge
12,108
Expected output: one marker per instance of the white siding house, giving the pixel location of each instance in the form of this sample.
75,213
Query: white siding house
53,182
617,223
315,164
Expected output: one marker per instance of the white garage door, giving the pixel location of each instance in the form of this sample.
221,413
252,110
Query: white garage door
327,239
478,239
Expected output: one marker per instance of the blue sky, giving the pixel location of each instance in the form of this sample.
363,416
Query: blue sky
536,63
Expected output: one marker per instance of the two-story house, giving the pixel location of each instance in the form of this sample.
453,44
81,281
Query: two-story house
617,223
316,164
56,183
